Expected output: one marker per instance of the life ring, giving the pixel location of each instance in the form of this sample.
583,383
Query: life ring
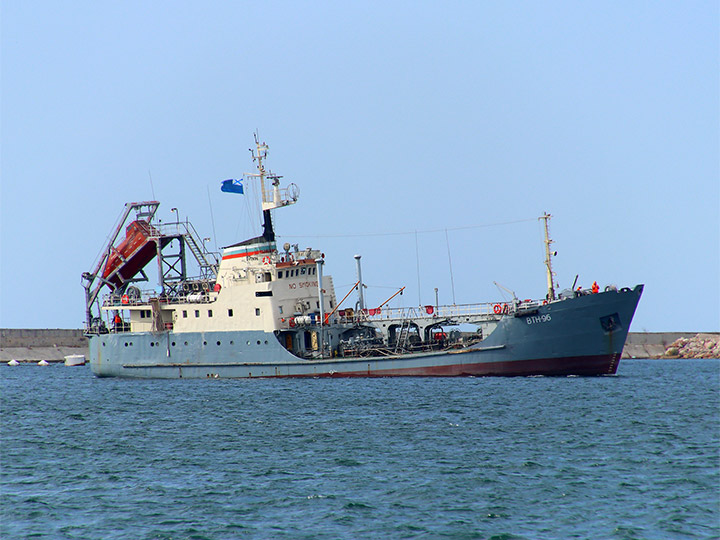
505,309
292,322
497,309
125,299
544,302
266,260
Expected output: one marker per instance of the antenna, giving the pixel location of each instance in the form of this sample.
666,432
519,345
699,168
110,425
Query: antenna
152,188
417,265
272,195
212,217
452,281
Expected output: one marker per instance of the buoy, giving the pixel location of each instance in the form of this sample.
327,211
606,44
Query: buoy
43,363
77,359
13,362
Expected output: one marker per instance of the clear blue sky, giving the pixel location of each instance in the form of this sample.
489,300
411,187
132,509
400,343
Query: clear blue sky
391,117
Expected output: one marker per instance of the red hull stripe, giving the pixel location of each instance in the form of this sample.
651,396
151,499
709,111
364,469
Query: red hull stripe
584,365
246,254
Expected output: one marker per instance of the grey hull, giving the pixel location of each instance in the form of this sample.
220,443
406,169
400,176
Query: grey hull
578,336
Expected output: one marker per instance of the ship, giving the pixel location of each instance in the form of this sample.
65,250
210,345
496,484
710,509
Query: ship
256,310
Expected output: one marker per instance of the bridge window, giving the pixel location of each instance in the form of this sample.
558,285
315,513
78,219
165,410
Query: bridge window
230,312
184,314
257,311
280,273
209,312
197,313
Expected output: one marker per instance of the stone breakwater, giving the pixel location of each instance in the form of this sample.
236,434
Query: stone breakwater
698,346
33,345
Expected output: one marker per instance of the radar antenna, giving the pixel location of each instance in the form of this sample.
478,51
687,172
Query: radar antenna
273,196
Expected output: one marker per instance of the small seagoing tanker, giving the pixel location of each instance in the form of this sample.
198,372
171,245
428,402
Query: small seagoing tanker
259,311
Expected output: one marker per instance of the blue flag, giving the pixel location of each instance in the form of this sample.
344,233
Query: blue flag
232,186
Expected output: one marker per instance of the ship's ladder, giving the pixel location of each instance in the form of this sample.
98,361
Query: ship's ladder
207,268
403,335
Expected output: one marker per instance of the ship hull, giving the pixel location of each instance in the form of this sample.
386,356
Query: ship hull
579,336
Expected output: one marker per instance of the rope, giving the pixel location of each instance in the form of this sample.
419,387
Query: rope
407,233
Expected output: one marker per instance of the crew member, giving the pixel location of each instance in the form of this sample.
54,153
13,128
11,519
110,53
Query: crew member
595,287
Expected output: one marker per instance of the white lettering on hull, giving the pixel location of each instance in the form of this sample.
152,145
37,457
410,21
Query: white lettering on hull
536,319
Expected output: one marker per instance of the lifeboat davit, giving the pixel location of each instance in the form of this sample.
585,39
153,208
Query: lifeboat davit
132,254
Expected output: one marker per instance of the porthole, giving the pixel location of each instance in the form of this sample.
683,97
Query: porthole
258,342
186,343
218,343
204,342
248,342
152,344
266,342
232,342
126,343
173,343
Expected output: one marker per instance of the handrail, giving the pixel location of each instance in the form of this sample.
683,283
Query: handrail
451,311
112,300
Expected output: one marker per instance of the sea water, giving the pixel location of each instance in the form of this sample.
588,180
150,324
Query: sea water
629,456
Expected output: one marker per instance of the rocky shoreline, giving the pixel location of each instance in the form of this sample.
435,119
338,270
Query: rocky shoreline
698,346
672,345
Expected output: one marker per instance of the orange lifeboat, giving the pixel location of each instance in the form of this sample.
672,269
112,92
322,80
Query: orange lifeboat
132,254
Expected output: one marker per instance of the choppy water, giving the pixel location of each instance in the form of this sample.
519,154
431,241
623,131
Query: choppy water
630,456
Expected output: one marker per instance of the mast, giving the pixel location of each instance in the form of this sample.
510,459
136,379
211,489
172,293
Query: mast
272,195
361,295
321,300
548,260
